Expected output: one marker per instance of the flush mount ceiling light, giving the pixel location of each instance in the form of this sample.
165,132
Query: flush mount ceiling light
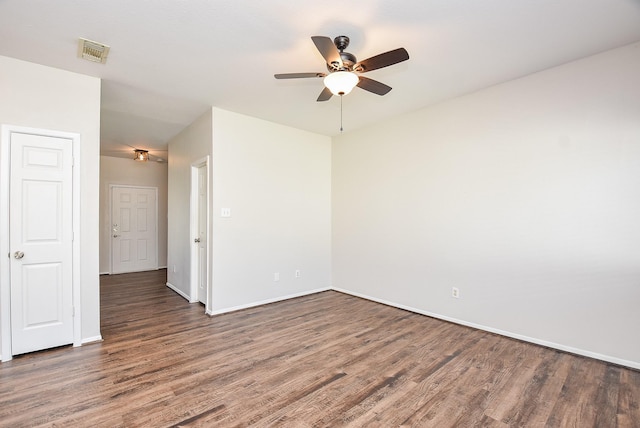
341,82
141,155
92,51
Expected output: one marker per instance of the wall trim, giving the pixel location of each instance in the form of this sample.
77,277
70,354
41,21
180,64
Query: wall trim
180,292
266,302
93,339
145,270
553,345
560,347
193,228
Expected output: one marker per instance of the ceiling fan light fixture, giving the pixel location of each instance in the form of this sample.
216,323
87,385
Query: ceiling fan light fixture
341,82
141,155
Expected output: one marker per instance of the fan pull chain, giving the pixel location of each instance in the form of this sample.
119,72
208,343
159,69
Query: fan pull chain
340,113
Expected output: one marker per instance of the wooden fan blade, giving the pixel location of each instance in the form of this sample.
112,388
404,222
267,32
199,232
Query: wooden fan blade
298,75
324,95
374,86
383,60
328,50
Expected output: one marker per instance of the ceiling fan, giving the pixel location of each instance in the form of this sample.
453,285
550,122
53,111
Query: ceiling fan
344,69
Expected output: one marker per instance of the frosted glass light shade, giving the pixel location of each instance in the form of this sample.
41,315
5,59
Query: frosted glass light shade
341,82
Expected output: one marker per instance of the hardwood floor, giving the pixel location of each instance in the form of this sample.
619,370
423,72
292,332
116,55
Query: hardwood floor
322,360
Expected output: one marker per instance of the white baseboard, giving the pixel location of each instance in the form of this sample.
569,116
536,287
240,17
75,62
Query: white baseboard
560,347
84,341
133,271
180,292
265,302
93,339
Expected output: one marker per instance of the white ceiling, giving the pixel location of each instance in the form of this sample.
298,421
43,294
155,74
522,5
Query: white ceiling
171,59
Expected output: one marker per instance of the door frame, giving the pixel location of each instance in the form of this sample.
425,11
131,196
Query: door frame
130,186
5,275
193,231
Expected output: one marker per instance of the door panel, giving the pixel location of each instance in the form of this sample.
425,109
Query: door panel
41,242
202,234
45,281
134,227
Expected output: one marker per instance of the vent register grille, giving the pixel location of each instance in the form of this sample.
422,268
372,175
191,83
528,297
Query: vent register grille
92,51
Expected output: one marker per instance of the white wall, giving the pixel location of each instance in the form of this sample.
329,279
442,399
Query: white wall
36,96
523,195
192,144
131,173
277,182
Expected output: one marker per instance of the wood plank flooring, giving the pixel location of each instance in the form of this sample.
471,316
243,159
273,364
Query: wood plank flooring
324,360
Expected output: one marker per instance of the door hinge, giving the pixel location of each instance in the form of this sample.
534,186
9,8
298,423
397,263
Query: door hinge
73,311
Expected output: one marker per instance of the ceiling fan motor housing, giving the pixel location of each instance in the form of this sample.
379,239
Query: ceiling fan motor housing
341,42
348,59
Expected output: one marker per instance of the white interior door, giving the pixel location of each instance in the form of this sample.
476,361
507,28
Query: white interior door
41,242
201,239
134,236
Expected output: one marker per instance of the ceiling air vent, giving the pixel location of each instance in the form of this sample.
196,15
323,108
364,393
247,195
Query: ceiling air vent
92,51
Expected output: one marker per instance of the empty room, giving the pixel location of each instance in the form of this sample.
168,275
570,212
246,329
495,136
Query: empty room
300,214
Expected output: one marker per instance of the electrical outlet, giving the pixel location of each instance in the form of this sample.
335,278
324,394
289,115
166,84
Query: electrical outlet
455,292
276,277
298,273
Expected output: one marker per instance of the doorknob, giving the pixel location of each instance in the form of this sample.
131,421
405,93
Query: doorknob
115,236
196,240
18,255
